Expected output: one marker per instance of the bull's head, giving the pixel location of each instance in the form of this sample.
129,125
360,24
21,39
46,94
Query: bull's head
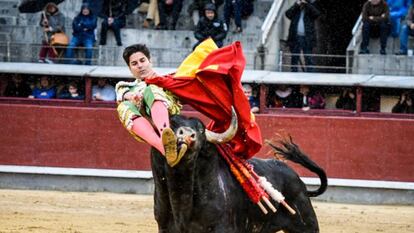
191,134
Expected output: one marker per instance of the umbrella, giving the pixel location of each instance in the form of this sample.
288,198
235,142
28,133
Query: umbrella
33,6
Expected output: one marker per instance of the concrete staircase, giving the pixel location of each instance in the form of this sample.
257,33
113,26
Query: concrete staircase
374,63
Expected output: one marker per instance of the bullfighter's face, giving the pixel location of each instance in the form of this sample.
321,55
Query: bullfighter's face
140,66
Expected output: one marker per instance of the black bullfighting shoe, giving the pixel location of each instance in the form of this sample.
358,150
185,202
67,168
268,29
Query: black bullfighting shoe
170,146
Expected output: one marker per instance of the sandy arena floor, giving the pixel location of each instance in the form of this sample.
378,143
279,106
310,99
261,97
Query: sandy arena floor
76,212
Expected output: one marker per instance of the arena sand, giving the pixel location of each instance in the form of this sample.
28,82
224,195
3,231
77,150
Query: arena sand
81,212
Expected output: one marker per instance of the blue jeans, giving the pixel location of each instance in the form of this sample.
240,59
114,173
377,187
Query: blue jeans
301,44
405,32
76,42
395,26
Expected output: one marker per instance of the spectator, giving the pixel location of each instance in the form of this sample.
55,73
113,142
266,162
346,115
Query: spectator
44,89
166,7
196,8
233,8
407,30
103,91
153,15
210,26
52,21
375,17
114,17
17,87
310,99
371,100
284,97
398,11
83,26
253,101
404,104
346,100
72,92
302,31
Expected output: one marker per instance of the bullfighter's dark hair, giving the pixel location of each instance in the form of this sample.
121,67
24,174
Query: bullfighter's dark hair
128,51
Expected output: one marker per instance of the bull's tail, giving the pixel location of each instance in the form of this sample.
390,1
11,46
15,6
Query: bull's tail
291,151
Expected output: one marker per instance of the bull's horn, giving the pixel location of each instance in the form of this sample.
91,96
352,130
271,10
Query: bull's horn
226,136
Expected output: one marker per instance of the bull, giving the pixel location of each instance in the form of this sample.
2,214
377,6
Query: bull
200,194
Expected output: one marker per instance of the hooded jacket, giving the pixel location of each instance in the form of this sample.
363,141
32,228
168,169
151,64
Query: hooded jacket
215,28
84,25
55,20
398,8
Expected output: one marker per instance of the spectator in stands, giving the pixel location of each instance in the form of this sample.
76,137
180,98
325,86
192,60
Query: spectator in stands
302,31
233,8
44,89
17,87
196,8
253,101
346,100
398,11
375,17
153,15
210,26
103,91
406,30
114,18
72,92
371,100
284,97
52,21
311,99
404,104
166,7
84,26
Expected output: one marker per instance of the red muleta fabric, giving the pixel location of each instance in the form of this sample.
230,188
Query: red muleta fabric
213,91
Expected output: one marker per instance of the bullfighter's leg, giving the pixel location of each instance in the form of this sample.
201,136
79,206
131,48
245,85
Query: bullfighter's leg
159,115
143,128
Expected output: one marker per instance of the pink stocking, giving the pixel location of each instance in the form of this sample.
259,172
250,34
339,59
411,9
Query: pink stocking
144,130
159,115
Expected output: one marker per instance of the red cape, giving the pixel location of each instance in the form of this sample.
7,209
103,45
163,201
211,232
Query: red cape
214,89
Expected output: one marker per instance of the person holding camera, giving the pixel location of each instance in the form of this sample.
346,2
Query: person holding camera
84,26
52,21
404,104
302,35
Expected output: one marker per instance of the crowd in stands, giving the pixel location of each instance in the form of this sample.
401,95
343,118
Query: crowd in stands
161,15
49,87
279,96
382,19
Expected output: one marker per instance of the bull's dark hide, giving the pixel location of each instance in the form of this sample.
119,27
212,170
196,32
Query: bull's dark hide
201,195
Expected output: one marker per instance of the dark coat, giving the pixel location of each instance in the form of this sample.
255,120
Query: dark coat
12,90
311,14
216,29
84,25
116,9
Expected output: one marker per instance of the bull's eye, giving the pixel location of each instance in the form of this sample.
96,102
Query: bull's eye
193,136
180,132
